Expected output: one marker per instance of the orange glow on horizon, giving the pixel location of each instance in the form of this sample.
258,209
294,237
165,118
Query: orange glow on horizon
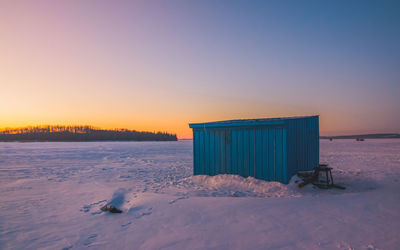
140,66
329,125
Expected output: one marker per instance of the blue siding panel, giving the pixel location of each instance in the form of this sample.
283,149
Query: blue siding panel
206,152
201,166
228,152
258,154
265,155
222,142
246,160
279,155
289,149
240,152
284,157
217,155
234,149
252,152
271,155
196,153
212,154
219,152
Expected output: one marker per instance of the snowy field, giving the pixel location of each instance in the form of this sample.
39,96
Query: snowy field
51,195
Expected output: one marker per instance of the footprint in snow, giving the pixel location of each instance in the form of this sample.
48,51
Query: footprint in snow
138,216
87,208
180,198
90,239
144,213
137,212
126,224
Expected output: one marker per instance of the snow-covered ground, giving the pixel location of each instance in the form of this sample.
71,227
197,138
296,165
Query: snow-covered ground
51,195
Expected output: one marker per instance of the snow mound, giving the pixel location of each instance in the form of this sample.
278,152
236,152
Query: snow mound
236,186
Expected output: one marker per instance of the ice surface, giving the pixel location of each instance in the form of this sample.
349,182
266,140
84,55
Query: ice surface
52,195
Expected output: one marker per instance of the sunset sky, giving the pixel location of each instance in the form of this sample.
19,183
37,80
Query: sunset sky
159,65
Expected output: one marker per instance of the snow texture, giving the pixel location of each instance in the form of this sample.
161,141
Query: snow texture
52,195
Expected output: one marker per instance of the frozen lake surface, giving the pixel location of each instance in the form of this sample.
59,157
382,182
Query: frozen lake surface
51,195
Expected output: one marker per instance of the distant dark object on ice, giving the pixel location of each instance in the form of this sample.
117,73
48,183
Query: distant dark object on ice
366,136
111,209
359,139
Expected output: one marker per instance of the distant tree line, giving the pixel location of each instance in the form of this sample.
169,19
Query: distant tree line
80,133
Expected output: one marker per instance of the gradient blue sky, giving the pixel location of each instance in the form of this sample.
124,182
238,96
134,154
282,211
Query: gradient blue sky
158,65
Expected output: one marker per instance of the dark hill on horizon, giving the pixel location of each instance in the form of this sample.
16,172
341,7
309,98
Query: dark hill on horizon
364,136
80,133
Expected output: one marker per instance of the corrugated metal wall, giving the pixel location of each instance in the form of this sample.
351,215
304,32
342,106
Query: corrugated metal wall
260,152
269,152
302,144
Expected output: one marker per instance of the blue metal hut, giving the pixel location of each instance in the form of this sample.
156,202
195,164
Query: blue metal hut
272,149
